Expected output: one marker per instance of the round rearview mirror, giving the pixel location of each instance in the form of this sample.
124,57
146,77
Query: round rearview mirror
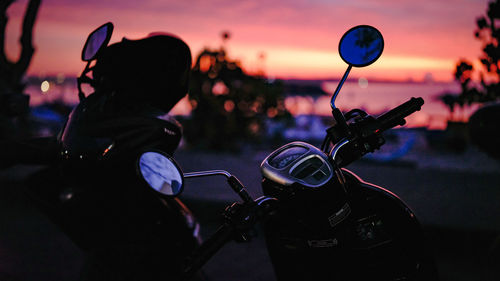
161,173
361,45
96,41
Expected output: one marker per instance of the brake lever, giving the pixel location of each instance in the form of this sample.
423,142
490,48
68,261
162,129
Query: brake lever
364,137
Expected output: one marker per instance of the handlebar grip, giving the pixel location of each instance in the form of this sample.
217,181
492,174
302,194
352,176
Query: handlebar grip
396,116
238,187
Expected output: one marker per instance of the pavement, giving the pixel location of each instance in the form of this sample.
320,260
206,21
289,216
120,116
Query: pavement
458,209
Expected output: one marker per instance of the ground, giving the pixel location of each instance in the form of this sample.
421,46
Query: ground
458,209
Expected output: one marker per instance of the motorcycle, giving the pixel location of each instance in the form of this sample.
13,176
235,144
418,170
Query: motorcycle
320,220
89,189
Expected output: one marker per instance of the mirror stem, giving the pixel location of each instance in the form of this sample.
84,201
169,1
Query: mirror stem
80,80
339,86
207,173
232,180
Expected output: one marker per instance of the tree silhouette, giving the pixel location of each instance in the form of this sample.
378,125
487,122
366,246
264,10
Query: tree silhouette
13,103
489,35
229,105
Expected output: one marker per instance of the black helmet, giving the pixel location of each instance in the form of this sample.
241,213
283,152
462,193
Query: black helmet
153,70
136,82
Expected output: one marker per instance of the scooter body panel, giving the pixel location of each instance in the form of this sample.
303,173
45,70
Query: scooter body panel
373,235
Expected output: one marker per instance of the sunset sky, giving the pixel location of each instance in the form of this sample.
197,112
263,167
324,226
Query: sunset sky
299,38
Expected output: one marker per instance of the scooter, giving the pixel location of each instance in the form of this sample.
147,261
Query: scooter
320,220
89,188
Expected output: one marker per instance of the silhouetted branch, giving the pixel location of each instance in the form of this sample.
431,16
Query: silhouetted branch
13,102
3,24
26,42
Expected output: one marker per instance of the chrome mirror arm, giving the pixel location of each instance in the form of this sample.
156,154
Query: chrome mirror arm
339,86
235,184
207,173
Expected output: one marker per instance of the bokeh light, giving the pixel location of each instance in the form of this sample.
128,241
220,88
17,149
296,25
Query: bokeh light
45,86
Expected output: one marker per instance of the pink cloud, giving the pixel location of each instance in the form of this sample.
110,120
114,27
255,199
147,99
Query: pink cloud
430,28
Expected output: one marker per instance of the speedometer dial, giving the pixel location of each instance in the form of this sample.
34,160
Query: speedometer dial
287,156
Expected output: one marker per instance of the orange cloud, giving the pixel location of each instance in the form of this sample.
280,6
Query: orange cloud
298,37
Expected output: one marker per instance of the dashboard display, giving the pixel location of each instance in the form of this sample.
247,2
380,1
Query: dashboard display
307,168
297,162
287,156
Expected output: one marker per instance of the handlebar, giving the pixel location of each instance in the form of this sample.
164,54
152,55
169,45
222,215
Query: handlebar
239,218
363,134
209,248
396,116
